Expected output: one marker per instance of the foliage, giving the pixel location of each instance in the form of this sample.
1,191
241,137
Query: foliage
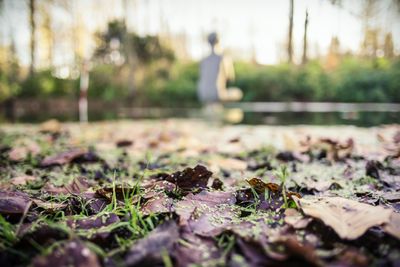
159,82
354,80
146,49
44,84
9,76
177,89
107,83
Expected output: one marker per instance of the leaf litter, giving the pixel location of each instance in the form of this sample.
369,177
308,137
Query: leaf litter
175,197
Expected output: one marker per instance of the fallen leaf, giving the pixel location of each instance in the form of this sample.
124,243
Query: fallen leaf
76,155
286,156
49,206
121,192
190,179
392,181
253,253
14,202
93,222
193,249
148,251
299,250
254,165
333,150
296,219
77,186
124,143
217,184
18,153
228,163
22,148
73,253
338,150
393,226
22,180
152,188
391,196
350,219
372,168
159,203
396,137
44,235
94,204
260,186
206,213
234,140
50,126
352,257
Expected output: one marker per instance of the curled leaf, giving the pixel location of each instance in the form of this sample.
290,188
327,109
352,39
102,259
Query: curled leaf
393,226
350,219
14,202
74,155
260,186
148,251
190,179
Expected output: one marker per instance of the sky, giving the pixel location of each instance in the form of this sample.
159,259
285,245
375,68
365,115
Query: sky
246,27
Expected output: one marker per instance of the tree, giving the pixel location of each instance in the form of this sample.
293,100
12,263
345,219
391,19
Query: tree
45,32
388,49
304,60
130,55
290,38
146,48
333,57
32,11
370,44
152,57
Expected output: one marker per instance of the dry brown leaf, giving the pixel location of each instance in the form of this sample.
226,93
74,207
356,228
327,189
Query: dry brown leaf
50,126
23,179
18,153
206,213
350,219
393,226
305,251
50,206
14,202
229,163
22,148
260,186
296,219
159,203
73,253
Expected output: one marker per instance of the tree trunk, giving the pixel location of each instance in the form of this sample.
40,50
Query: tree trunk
304,59
9,109
84,86
130,53
290,39
33,30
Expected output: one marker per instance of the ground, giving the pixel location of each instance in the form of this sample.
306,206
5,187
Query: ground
191,193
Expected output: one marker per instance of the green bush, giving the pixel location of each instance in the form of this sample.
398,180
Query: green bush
9,80
354,80
43,84
163,84
106,83
178,89
8,88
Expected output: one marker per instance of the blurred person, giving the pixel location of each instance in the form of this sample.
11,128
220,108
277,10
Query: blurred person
215,71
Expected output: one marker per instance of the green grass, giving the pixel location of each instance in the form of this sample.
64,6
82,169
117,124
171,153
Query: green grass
7,233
